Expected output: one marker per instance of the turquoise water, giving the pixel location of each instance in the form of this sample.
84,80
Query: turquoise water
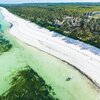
52,70
4,25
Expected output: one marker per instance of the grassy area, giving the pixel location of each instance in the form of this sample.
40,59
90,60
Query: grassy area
96,15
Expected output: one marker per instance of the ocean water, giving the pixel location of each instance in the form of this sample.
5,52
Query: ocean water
52,70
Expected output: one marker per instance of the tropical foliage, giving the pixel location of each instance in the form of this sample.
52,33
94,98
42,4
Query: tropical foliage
66,19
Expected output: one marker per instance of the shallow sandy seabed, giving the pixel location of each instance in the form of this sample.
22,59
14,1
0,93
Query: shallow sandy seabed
53,71
85,57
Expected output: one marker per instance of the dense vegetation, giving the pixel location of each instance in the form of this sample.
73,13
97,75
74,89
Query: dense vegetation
66,19
28,85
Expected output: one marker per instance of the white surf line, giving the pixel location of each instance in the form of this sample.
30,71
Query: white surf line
84,59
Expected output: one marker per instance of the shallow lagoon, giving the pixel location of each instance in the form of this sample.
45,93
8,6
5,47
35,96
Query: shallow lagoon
52,70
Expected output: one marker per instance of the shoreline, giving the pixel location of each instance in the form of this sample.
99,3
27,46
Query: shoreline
75,83
46,44
90,79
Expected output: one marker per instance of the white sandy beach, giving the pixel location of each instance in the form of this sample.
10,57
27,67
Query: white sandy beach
86,58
